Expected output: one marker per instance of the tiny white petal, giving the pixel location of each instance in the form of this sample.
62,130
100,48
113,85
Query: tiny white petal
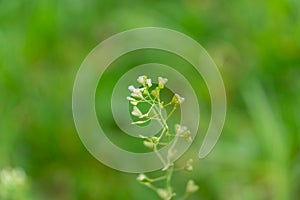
137,93
149,82
162,81
131,88
189,165
191,187
136,112
139,122
141,177
134,103
148,144
130,99
163,193
179,98
144,115
142,79
180,129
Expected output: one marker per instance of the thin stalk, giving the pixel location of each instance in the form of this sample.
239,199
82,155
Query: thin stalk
169,115
159,178
168,179
159,155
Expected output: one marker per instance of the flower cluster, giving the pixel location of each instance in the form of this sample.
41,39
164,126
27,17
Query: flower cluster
147,94
150,93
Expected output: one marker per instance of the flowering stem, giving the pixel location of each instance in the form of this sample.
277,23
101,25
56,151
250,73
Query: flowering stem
168,179
159,178
159,155
144,95
173,110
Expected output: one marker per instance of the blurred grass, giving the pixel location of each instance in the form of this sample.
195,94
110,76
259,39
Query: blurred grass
255,44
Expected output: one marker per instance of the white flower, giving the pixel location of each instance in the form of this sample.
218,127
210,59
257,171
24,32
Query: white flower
180,129
165,194
148,144
142,79
148,81
189,165
177,99
187,136
139,122
162,82
191,187
136,112
141,177
132,101
137,93
131,88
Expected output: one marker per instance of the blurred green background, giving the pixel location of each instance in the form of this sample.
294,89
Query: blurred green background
256,45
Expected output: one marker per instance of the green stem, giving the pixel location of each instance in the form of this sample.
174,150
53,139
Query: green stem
151,186
169,115
159,155
168,179
159,178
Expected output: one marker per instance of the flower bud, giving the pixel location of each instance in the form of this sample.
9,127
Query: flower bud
162,82
131,88
137,93
179,130
148,144
142,79
189,165
191,187
149,83
154,140
136,112
177,99
187,136
143,179
139,122
164,193
132,101
155,92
